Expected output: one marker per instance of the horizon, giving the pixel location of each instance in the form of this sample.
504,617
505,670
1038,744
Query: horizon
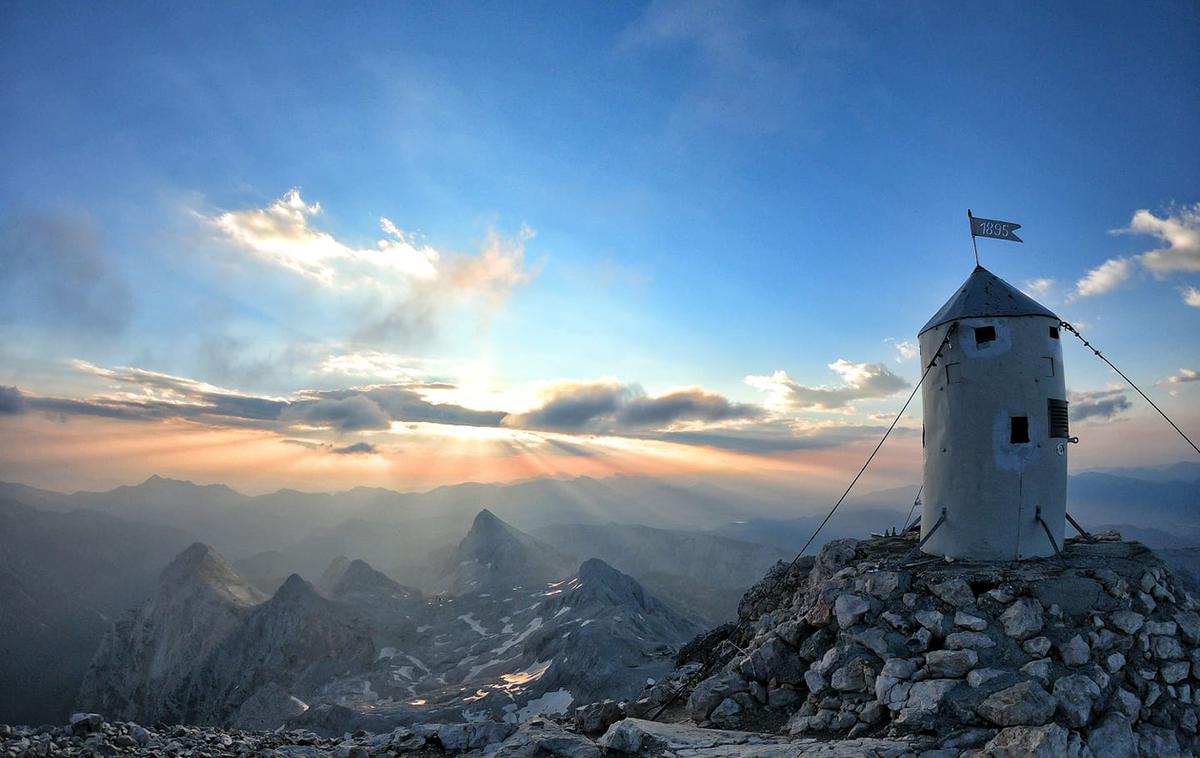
646,241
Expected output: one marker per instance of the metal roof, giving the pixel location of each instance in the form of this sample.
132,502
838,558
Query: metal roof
985,294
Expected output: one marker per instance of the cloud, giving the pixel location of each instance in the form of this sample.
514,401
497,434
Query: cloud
282,233
356,413
156,396
398,287
1038,288
1097,404
358,448
1184,375
777,436
860,381
1191,296
12,403
373,364
611,406
1104,278
1179,229
905,350
55,271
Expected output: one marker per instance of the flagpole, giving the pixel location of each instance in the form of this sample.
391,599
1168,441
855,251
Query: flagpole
974,244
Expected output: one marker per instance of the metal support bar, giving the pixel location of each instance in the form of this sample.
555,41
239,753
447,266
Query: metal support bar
1087,536
941,520
1049,535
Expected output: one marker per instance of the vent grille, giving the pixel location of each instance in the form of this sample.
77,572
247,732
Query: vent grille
1059,426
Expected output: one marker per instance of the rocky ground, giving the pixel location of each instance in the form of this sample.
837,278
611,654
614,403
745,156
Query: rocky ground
870,649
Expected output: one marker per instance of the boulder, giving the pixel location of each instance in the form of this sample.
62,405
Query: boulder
545,738
954,591
1075,652
83,724
596,718
1112,737
709,693
855,676
1023,619
948,664
1036,646
969,641
969,621
849,609
1049,741
1076,694
924,699
1157,742
774,659
980,676
1189,626
1023,704
1127,621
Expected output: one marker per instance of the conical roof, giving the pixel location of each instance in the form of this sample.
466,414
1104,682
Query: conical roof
985,294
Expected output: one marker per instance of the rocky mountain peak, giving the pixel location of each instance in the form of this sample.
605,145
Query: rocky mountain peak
599,581
494,554
200,566
295,591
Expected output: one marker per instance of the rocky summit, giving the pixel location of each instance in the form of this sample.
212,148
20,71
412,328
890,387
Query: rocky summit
1091,653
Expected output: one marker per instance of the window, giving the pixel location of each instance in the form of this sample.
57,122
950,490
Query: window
1059,424
1054,332
1020,430
985,334
953,373
1048,366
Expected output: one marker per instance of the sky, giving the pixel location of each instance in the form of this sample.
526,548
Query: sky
322,245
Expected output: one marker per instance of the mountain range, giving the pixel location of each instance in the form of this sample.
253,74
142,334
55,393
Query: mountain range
514,636
390,573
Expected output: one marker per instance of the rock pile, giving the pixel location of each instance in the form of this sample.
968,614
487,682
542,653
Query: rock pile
1095,651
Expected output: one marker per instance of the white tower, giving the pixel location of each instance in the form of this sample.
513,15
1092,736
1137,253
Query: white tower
995,436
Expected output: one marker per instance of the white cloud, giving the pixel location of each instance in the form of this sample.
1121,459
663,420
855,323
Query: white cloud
1180,230
1191,296
373,365
1104,278
1038,288
860,381
1102,404
283,233
1184,375
905,350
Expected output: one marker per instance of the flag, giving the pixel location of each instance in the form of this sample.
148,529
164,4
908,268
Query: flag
1001,230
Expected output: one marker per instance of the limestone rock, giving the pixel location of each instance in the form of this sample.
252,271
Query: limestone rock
950,663
969,641
1023,618
1023,704
954,591
1036,646
980,676
596,718
1075,652
1127,621
1076,694
1048,741
849,609
968,621
709,693
1112,737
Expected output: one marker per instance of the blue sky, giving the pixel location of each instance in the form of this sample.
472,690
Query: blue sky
623,201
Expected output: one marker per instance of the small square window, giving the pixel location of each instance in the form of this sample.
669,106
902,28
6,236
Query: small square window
1020,430
985,334
1054,332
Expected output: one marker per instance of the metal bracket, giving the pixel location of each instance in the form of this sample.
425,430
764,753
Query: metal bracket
941,520
1087,536
1049,535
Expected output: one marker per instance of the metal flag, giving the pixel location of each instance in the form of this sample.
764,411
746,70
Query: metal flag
1001,230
